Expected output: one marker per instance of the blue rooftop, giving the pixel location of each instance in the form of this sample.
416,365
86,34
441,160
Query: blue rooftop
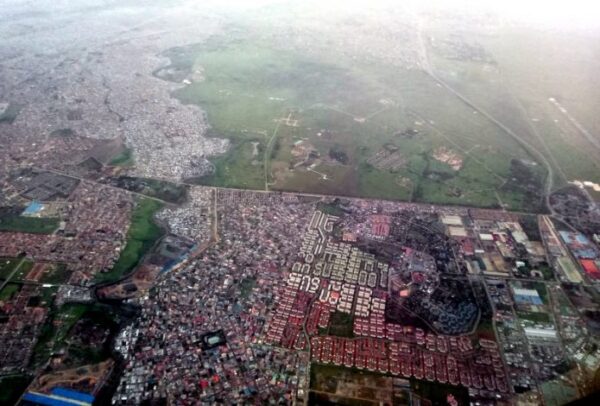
71,394
45,400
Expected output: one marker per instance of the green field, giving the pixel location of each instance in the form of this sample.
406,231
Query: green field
518,90
142,235
23,271
8,291
558,393
56,329
331,384
7,266
125,158
541,289
535,317
332,208
267,100
341,325
34,225
56,275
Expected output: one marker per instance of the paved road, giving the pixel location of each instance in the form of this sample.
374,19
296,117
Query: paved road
427,68
549,184
267,156
304,194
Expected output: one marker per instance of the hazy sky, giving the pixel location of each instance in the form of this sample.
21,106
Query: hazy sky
546,13
563,14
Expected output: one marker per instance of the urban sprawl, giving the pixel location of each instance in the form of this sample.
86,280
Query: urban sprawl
249,295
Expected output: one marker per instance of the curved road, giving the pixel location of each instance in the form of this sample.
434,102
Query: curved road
426,66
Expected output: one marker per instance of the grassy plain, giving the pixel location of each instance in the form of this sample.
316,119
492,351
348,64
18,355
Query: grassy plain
518,90
8,291
34,225
268,99
23,271
7,266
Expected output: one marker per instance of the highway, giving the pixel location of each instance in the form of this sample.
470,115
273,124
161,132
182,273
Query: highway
427,68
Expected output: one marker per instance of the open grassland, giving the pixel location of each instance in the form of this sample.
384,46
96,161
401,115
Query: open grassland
23,270
9,291
34,225
558,392
7,266
285,113
142,235
124,158
528,70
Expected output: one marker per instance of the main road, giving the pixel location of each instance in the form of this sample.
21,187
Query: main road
532,150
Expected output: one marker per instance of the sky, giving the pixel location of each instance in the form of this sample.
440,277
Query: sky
550,13
565,14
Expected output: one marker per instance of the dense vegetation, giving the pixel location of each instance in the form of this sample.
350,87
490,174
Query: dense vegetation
142,235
